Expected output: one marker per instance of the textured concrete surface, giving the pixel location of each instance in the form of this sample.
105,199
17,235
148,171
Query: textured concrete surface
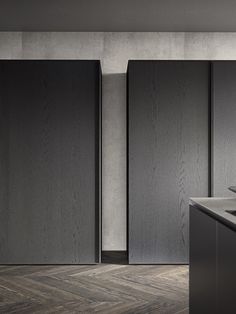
114,50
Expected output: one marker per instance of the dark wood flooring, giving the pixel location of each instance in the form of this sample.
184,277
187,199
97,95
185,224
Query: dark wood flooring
111,287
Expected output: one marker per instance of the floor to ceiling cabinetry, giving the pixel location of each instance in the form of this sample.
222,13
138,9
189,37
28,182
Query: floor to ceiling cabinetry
49,162
223,127
168,155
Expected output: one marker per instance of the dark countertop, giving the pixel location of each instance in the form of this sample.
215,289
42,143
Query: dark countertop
216,207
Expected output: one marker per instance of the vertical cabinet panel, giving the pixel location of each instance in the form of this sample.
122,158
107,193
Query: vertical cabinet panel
49,162
226,277
203,263
168,152
212,265
224,117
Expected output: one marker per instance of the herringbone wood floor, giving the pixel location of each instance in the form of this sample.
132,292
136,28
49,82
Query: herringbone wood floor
105,288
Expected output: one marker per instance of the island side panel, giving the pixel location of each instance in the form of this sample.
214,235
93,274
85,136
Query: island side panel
226,269
203,263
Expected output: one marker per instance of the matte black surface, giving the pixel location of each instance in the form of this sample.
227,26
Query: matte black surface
49,166
168,151
226,269
212,264
203,265
223,129
121,16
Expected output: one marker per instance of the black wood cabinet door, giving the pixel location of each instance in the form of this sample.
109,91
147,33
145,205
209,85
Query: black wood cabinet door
49,162
203,263
223,127
168,155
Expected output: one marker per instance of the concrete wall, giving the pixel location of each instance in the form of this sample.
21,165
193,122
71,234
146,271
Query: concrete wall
114,50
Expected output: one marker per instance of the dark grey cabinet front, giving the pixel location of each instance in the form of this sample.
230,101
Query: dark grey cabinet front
203,263
49,162
212,277
223,127
168,155
226,276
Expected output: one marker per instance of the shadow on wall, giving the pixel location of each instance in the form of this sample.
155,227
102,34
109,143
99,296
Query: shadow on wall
114,162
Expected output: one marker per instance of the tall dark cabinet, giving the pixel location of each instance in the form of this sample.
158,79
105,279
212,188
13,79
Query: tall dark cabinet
168,155
223,127
49,162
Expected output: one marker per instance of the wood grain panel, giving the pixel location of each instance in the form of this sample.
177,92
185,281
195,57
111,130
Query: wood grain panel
223,127
168,140
49,161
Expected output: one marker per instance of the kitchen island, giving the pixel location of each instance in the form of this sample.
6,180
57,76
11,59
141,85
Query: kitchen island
212,255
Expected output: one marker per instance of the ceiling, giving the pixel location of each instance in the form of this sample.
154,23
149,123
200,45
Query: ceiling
118,15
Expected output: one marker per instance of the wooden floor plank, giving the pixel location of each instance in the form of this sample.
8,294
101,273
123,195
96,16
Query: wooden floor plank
103,288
